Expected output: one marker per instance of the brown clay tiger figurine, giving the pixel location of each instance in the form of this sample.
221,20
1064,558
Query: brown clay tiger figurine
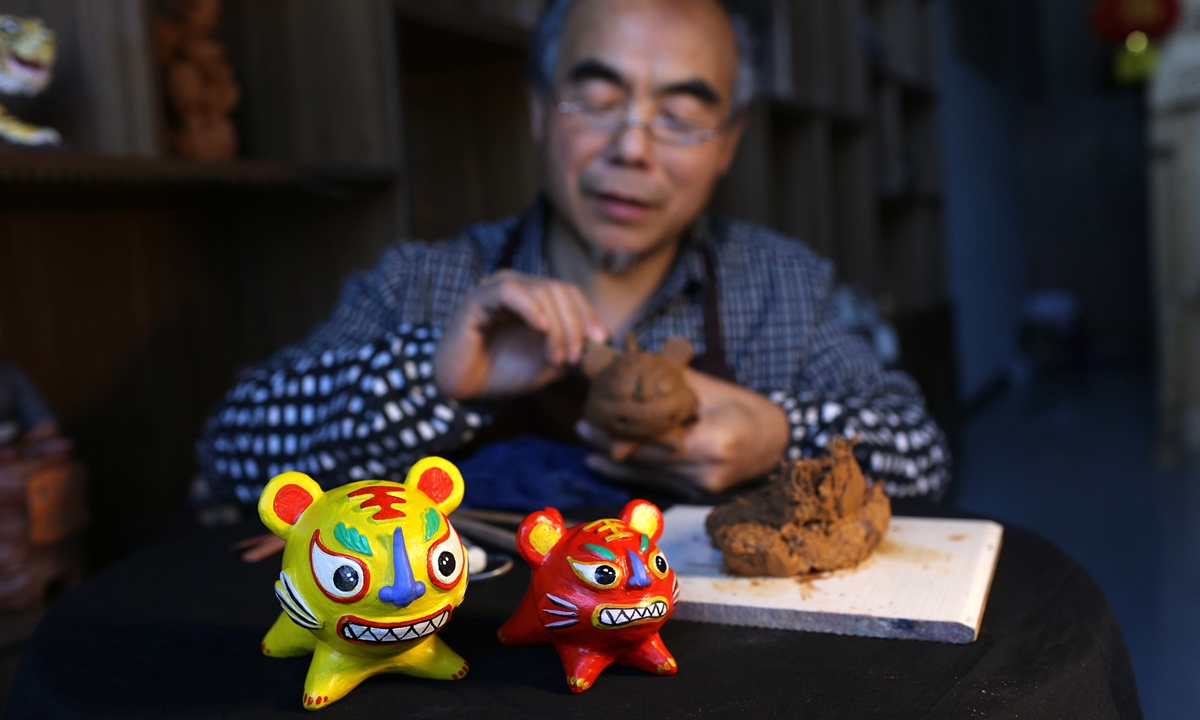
639,397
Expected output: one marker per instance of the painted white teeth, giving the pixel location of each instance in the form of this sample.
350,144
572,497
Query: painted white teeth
621,616
366,633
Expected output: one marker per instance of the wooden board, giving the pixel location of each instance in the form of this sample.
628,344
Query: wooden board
928,580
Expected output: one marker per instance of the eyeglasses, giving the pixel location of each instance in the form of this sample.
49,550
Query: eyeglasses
663,128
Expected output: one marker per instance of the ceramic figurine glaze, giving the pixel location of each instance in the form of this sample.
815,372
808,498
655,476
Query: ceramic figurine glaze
600,592
27,52
639,397
371,571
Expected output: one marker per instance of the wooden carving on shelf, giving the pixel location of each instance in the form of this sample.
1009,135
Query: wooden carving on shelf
200,86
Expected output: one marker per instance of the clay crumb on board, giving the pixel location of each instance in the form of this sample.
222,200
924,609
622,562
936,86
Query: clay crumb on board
814,515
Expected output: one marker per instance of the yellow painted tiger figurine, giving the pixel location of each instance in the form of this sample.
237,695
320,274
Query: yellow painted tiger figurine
27,52
371,572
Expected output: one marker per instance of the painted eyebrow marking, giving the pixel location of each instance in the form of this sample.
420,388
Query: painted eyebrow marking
601,551
352,539
433,523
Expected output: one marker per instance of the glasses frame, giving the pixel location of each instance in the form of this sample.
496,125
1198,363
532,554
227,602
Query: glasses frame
628,121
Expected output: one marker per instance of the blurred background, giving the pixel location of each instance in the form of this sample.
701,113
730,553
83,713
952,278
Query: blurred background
1008,187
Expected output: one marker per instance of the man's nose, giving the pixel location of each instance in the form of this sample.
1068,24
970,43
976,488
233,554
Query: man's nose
638,577
631,145
404,588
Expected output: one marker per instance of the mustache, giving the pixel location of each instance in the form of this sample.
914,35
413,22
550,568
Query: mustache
630,187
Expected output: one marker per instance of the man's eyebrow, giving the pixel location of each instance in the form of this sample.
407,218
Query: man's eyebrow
697,88
592,69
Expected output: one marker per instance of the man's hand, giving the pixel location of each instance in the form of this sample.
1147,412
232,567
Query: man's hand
739,435
512,334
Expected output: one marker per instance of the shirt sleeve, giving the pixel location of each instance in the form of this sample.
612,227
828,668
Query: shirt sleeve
846,391
338,413
356,400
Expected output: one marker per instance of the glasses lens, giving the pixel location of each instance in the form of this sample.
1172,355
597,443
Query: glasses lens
607,118
676,132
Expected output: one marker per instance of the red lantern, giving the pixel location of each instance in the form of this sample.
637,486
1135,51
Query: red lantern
1116,20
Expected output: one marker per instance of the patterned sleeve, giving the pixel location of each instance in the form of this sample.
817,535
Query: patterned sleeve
844,390
354,400
338,413
898,442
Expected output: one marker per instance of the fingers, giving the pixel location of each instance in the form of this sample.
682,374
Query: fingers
556,334
573,314
263,546
593,329
513,333
510,294
558,310
253,541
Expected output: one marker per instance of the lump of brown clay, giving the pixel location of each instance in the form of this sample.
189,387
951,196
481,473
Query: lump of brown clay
639,397
814,515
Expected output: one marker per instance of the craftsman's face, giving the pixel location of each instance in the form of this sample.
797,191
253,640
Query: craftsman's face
625,192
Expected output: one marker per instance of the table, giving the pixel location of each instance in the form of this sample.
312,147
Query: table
175,631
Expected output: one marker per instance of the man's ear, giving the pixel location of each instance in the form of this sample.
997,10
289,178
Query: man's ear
285,499
440,480
643,517
539,533
537,113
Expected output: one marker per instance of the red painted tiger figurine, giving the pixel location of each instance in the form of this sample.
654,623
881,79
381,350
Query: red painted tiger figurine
600,592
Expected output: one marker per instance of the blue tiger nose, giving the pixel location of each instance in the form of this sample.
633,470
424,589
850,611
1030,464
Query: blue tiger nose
639,578
404,588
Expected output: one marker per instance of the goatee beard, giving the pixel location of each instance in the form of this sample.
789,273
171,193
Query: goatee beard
615,262
609,261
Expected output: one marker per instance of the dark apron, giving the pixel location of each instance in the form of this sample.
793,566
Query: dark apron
552,411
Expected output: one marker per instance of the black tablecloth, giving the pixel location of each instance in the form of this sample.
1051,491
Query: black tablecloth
175,632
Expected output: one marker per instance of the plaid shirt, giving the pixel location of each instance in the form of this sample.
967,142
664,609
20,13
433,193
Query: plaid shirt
356,400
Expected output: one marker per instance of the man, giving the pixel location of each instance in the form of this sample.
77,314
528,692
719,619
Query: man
637,109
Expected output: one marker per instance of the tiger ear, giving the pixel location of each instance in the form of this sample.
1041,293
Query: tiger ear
538,534
596,357
285,499
678,349
643,517
440,480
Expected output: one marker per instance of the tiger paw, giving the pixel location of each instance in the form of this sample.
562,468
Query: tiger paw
667,668
462,672
315,702
578,684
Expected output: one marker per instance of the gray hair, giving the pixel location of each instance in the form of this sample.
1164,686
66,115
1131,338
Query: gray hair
547,41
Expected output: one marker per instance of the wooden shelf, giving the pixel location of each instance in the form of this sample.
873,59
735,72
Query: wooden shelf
30,167
461,19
